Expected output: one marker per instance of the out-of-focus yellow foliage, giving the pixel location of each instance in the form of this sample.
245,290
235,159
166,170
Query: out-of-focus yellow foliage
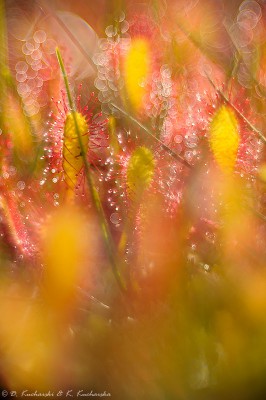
224,138
262,172
136,68
230,335
72,153
236,219
28,348
36,342
64,255
254,295
18,127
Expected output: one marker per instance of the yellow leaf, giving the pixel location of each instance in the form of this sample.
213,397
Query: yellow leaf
140,171
72,156
136,68
224,138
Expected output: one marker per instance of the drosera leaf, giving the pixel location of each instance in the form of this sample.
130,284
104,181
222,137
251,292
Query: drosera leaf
140,172
139,176
136,69
72,155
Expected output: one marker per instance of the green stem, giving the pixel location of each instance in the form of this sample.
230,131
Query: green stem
94,193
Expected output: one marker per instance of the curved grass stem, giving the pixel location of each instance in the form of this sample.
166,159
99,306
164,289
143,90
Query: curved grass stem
94,193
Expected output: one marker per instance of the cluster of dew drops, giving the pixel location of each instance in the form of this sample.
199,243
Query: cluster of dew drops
116,192
244,30
36,66
109,80
161,105
54,168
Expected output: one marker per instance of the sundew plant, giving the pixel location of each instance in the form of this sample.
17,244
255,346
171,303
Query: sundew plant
133,199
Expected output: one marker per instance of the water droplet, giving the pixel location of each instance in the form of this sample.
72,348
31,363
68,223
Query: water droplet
32,109
206,267
39,36
247,19
110,31
120,17
21,77
26,50
21,185
115,218
178,139
21,67
100,84
124,26
23,89
36,55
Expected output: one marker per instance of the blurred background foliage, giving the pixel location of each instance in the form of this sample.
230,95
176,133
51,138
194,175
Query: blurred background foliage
142,273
